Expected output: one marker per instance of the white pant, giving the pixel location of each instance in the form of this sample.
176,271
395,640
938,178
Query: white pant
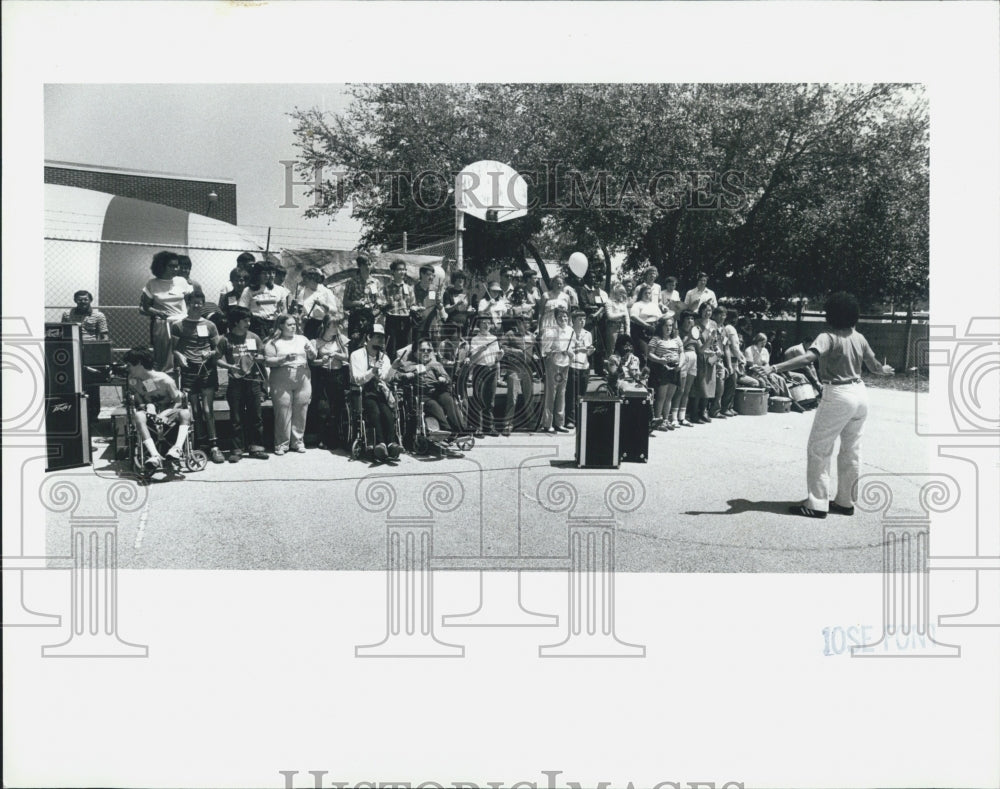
842,412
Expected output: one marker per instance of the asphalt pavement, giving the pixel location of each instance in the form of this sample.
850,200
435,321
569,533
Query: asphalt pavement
712,498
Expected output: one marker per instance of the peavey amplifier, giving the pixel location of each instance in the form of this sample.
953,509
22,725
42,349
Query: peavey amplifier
637,414
67,433
598,426
63,362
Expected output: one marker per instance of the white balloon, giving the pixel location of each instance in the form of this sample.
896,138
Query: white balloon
578,264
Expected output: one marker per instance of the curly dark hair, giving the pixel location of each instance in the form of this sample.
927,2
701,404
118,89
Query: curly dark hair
160,262
842,310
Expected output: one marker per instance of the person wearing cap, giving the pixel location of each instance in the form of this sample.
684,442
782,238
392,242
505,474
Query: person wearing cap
315,301
401,304
701,294
363,300
433,382
265,299
495,304
371,371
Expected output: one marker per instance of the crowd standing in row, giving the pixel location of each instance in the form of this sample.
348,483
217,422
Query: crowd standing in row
305,349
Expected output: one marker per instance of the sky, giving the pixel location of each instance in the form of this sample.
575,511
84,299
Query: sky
239,132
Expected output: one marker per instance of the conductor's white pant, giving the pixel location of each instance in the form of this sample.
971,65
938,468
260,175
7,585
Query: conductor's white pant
842,412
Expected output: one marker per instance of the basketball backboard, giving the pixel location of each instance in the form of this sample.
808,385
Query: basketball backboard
491,191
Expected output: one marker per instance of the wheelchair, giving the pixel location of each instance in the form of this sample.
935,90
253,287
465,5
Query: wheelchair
361,438
163,430
421,433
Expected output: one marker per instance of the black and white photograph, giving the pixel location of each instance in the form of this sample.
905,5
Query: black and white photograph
683,375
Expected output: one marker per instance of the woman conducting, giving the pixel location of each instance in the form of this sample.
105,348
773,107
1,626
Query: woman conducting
841,353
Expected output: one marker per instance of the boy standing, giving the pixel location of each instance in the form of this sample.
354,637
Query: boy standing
195,343
239,352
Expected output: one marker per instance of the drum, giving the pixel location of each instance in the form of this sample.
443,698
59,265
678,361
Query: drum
803,395
779,405
751,402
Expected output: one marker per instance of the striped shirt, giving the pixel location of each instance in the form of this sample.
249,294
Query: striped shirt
93,326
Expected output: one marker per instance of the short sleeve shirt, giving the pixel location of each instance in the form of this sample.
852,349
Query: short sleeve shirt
264,303
92,326
195,339
235,349
841,358
168,295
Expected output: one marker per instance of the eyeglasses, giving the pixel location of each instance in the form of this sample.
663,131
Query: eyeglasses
425,350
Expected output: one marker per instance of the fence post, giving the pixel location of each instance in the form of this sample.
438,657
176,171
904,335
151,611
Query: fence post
908,336
798,321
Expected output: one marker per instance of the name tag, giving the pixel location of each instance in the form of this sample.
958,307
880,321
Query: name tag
431,295
149,385
251,344
232,301
202,330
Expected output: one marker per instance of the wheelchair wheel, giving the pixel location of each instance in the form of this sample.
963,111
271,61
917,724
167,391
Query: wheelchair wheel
465,443
357,448
196,460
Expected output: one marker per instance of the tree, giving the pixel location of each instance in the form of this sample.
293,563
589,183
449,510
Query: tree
774,190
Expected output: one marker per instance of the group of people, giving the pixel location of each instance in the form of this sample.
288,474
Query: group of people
450,348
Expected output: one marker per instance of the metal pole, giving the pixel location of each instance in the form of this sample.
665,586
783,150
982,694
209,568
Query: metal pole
267,249
404,241
459,227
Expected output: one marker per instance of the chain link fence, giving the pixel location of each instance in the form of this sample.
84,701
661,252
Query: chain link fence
115,272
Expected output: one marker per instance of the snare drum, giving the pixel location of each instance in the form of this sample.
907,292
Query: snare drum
779,405
802,393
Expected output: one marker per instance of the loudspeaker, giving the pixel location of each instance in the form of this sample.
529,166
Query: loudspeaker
637,414
598,428
63,359
67,432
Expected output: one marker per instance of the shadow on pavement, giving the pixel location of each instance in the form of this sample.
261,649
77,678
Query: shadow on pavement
739,506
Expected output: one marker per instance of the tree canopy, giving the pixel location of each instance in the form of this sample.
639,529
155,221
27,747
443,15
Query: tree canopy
774,190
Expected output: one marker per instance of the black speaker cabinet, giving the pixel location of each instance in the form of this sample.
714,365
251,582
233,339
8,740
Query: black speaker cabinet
67,432
96,354
637,413
598,429
63,359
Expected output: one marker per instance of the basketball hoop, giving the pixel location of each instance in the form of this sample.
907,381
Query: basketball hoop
491,191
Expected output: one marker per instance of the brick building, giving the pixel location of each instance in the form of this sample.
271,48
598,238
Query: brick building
186,192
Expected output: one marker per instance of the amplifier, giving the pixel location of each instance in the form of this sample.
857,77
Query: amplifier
63,359
598,428
637,414
67,432
96,354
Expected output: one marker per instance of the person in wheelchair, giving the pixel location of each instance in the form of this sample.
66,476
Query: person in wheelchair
433,384
372,372
163,401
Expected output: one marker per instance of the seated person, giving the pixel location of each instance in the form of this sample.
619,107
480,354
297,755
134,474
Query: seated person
162,400
630,370
809,371
371,372
433,383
